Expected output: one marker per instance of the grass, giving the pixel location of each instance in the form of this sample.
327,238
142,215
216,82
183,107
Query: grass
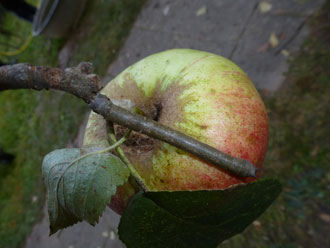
35,123
26,132
299,151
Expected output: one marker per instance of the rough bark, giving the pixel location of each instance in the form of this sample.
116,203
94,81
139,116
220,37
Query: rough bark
77,80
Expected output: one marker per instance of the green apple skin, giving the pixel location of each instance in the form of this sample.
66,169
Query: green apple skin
201,94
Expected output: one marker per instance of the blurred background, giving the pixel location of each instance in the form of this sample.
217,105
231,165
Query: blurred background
283,45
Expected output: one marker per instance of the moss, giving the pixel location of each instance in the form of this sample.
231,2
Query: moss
32,124
299,150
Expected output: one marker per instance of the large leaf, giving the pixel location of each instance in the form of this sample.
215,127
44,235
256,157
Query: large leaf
80,189
194,218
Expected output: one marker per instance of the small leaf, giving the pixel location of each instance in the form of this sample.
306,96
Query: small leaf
201,11
265,6
273,40
194,218
166,10
80,189
325,217
53,167
285,52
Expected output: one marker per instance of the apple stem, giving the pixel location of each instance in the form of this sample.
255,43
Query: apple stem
112,138
114,146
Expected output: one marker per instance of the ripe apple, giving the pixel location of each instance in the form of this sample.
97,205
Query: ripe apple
201,94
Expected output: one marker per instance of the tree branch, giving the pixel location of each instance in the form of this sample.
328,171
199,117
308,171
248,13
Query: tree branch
77,80
80,82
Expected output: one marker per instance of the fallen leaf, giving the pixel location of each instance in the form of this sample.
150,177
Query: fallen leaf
265,6
256,224
315,151
166,10
201,11
105,234
325,217
34,199
112,235
273,40
285,52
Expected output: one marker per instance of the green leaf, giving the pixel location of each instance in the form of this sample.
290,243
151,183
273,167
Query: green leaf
79,189
194,218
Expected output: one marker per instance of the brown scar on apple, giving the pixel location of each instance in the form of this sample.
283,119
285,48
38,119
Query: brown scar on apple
162,106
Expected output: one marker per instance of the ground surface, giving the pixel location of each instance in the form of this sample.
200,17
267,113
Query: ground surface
260,38
238,30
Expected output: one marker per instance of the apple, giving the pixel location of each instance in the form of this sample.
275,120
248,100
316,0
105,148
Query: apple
201,94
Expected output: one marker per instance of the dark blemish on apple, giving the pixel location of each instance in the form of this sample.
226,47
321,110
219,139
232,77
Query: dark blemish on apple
158,111
252,139
139,142
162,105
201,127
